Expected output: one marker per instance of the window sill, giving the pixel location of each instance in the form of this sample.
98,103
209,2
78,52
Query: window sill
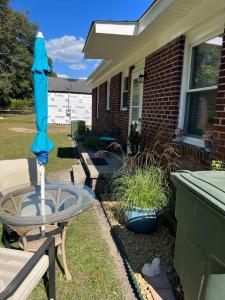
123,108
192,143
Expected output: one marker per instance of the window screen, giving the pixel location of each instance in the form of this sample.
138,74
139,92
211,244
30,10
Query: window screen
201,95
201,115
206,63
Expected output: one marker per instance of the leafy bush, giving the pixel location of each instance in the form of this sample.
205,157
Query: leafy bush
217,165
21,105
81,128
91,142
142,188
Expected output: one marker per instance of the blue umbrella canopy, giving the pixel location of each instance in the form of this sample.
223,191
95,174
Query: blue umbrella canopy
41,145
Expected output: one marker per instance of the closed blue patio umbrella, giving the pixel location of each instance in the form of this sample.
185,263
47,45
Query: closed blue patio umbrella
41,145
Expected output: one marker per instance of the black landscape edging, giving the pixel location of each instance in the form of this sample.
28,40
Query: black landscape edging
130,272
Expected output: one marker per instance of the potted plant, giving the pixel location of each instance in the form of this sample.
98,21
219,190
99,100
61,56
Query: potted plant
142,194
207,138
178,135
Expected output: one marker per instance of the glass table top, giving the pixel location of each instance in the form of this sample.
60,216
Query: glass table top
63,201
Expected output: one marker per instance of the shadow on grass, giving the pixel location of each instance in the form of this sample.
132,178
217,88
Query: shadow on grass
67,152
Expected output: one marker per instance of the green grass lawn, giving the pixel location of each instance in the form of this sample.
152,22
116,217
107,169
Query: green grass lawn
17,145
89,261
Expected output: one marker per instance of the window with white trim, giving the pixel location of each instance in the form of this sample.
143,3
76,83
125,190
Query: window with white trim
97,103
201,92
107,94
124,91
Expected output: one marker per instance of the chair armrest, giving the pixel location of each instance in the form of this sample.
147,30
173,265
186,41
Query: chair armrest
48,245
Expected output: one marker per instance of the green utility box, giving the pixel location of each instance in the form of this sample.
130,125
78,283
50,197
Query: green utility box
199,257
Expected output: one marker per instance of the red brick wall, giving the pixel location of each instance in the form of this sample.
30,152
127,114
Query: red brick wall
120,117
103,119
115,117
161,100
162,85
219,126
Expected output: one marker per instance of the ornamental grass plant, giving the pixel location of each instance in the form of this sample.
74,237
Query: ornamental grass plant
143,188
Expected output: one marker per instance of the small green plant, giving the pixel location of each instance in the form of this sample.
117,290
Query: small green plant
217,165
81,129
143,188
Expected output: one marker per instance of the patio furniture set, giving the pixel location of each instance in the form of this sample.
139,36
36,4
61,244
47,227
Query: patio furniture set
20,214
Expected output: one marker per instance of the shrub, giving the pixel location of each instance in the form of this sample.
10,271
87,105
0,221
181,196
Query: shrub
217,165
21,104
81,128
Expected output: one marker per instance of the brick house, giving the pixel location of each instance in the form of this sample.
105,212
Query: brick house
165,70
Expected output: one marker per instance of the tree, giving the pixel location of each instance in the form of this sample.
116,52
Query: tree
17,36
52,73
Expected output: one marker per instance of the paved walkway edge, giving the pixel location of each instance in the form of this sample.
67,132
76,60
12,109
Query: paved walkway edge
130,278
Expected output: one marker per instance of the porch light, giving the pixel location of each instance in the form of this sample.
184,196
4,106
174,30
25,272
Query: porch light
141,78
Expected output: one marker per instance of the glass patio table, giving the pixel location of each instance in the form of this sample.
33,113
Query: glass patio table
21,211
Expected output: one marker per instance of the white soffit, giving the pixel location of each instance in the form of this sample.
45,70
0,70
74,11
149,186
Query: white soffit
164,21
114,40
116,28
108,40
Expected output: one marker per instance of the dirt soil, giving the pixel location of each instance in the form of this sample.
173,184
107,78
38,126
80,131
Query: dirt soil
21,130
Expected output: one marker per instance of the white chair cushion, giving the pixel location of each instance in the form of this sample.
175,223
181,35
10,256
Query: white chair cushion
11,262
17,172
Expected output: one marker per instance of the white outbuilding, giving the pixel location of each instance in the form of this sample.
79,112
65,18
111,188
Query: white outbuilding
69,100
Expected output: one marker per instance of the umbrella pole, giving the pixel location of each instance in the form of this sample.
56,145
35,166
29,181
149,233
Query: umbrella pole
42,173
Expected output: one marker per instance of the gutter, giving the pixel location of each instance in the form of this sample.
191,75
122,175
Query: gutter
103,65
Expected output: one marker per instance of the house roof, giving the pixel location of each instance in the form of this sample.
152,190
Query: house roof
57,84
121,44
101,32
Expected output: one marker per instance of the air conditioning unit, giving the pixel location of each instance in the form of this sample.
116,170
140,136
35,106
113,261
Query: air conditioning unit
77,127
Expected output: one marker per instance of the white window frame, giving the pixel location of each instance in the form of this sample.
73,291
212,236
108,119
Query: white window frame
134,76
108,94
123,76
97,103
185,86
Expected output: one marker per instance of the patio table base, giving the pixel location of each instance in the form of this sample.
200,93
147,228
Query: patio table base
32,241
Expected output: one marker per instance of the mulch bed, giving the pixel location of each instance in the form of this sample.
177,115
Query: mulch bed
141,248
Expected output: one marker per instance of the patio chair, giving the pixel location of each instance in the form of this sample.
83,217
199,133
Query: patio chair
22,173
14,174
21,271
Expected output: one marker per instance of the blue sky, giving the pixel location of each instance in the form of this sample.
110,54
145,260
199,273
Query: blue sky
65,25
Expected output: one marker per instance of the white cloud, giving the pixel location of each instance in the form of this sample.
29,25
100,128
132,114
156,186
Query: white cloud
67,48
82,78
78,67
62,76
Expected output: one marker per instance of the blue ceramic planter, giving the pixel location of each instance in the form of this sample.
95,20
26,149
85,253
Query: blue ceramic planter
141,220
